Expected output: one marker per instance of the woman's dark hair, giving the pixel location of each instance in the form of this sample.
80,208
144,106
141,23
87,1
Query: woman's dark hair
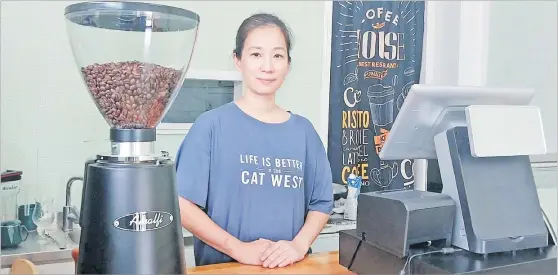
261,20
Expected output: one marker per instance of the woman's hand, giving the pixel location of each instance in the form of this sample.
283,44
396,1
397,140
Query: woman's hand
283,253
250,253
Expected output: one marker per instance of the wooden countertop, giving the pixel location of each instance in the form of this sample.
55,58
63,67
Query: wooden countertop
318,263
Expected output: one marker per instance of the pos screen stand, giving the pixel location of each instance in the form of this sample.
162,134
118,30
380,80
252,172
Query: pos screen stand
482,138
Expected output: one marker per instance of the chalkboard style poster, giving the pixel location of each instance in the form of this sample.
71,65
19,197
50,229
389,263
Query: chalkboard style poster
376,55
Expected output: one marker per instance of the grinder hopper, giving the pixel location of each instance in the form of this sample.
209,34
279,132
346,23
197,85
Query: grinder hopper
132,57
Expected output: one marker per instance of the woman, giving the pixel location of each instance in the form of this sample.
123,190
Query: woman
254,180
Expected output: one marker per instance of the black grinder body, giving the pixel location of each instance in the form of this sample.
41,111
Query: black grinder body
130,220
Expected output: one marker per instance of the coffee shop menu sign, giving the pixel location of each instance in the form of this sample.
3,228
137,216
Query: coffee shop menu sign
376,55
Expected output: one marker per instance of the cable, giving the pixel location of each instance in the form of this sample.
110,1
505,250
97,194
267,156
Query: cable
445,250
549,227
356,251
354,255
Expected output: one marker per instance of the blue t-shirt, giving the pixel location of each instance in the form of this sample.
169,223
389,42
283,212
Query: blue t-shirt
253,179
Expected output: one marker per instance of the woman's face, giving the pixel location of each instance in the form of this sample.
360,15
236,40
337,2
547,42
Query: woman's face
264,63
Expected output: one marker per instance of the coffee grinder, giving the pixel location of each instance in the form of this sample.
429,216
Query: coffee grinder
132,58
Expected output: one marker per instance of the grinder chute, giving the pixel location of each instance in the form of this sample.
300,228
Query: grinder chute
133,58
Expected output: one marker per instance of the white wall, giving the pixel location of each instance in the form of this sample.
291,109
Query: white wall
517,53
49,125
483,43
522,53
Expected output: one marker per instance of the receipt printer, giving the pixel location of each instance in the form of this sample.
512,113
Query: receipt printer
394,220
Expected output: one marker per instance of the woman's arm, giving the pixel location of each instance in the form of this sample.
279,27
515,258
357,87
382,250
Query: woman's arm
319,196
193,163
315,222
283,253
199,224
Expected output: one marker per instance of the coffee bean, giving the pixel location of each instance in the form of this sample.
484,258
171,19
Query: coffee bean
131,94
